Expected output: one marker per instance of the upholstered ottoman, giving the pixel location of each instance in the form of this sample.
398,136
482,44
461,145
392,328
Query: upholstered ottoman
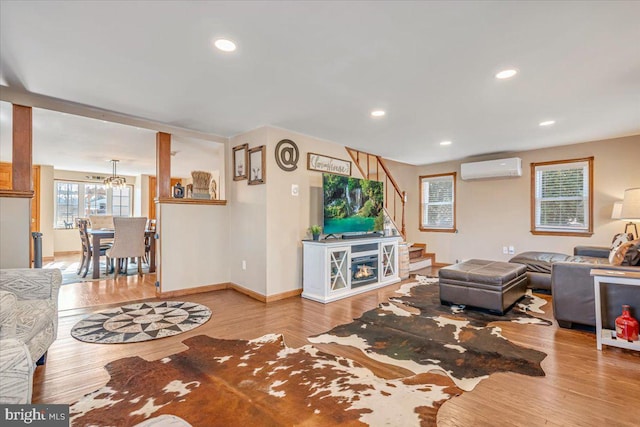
492,285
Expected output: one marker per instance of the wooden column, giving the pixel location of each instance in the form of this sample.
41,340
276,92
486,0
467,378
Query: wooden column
163,165
21,179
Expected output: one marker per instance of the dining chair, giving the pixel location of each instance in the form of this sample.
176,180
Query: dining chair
97,222
148,240
101,221
128,242
87,249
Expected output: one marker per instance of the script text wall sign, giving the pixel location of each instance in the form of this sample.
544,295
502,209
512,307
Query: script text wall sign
287,155
318,162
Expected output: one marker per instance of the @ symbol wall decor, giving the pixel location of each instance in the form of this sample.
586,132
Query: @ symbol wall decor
287,155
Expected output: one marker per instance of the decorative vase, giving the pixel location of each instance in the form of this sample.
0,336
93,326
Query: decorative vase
626,326
316,236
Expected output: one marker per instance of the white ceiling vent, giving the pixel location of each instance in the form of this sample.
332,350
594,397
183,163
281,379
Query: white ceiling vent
491,169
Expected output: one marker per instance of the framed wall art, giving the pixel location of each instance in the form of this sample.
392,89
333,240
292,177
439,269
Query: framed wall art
257,172
320,163
240,160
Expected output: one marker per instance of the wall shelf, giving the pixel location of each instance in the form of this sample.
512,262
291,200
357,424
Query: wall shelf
171,200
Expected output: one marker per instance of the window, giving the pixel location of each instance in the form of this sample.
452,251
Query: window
121,201
66,204
562,197
81,199
438,202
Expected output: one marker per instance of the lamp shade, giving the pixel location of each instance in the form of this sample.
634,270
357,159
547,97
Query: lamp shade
631,204
617,211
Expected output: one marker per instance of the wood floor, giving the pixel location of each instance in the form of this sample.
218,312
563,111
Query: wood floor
583,386
102,292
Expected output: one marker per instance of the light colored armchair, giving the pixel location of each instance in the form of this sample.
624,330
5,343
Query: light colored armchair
28,326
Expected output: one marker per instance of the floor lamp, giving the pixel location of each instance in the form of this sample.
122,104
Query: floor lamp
631,208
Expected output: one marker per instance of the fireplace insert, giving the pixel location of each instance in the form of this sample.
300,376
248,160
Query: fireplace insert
364,270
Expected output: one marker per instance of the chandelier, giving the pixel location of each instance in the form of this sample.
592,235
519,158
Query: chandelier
115,181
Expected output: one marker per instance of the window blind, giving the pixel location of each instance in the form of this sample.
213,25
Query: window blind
438,202
562,196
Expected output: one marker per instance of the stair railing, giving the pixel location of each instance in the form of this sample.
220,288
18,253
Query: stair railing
373,167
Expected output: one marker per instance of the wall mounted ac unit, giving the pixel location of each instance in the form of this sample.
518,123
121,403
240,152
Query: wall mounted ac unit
491,168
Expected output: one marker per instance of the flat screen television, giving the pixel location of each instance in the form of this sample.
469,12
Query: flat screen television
352,205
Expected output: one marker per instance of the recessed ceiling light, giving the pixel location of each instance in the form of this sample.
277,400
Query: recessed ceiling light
445,143
547,123
225,45
506,74
378,113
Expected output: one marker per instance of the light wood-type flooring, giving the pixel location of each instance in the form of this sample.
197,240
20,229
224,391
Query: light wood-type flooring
102,292
582,386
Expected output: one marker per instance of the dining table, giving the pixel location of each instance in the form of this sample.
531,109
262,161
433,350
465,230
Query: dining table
105,233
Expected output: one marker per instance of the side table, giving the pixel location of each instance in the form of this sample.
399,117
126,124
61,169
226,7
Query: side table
625,278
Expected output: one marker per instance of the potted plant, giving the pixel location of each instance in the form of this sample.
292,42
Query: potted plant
315,231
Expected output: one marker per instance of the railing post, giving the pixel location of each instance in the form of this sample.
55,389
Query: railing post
404,199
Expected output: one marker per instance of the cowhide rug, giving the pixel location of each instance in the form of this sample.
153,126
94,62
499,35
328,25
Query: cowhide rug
259,383
416,332
262,382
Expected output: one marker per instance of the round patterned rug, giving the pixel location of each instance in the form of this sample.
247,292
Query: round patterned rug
141,322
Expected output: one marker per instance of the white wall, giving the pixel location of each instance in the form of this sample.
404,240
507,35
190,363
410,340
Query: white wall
267,223
248,221
46,210
15,235
289,217
194,245
495,213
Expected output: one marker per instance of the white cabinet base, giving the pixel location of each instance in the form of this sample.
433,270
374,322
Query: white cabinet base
349,293
329,269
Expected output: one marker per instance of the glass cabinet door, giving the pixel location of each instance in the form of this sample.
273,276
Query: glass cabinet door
338,268
388,260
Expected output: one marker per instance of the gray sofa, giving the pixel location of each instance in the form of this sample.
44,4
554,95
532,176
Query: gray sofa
568,277
28,326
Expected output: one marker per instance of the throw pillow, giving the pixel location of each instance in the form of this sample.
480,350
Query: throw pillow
618,257
619,239
633,254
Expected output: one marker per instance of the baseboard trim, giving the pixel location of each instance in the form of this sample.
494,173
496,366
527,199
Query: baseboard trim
284,295
233,286
55,254
247,292
191,291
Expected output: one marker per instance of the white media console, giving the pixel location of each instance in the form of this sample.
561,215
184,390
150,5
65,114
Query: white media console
338,268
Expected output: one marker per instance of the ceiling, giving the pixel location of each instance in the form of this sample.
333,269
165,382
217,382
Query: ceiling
76,143
320,68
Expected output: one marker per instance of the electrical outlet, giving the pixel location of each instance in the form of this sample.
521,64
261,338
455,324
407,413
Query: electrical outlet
512,250
244,264
505,250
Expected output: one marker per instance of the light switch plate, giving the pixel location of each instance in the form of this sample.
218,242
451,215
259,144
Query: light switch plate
294,189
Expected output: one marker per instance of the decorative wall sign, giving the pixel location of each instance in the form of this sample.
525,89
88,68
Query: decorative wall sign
240,162
287,155
318,162
257,165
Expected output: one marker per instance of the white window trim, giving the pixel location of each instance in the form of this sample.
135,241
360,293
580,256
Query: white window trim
81,190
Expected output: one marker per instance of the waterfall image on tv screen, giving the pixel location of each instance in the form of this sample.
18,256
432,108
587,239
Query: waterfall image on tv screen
352,204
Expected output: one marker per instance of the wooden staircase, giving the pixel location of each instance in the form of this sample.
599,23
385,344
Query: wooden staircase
419,258
372,167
